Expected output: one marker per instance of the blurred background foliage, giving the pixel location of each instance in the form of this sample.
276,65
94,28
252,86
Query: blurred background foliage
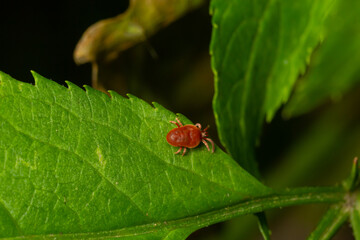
311,141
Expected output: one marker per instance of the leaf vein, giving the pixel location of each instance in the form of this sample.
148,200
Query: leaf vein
81,158
14,222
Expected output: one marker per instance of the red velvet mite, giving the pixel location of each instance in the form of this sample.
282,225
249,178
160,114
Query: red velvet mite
188,136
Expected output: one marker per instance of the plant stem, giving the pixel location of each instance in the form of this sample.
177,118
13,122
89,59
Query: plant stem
281,199
289,197
263,225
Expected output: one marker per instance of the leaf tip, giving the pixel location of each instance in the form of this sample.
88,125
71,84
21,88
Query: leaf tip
355,160
87,88
134,98
130,96
157,106
353,181
114,95
39,79
73,87
34,73
69,84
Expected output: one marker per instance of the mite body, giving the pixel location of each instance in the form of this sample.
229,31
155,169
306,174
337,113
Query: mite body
188,136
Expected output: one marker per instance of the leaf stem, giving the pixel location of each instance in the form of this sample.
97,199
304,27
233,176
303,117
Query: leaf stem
263,225
330,223
289,197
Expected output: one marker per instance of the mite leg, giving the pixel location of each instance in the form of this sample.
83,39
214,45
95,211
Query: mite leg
179,122
205,143
184,151
207,127
178,150
175,123
212,143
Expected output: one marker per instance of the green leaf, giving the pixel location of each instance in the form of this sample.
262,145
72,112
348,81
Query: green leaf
74,161
353,183
258,49
180,228
330,223
353,201
263,226
334,68
355,220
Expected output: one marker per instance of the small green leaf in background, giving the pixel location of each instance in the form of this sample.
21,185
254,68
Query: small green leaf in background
355,219
334,68
75,161
258,49
353,199
330,223
352,182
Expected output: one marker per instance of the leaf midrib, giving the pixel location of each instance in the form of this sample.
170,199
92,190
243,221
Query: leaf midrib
282,199
13,220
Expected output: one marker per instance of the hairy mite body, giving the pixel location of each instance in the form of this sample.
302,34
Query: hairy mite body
188,136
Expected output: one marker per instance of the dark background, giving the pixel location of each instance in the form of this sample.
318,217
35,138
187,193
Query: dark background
41,36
